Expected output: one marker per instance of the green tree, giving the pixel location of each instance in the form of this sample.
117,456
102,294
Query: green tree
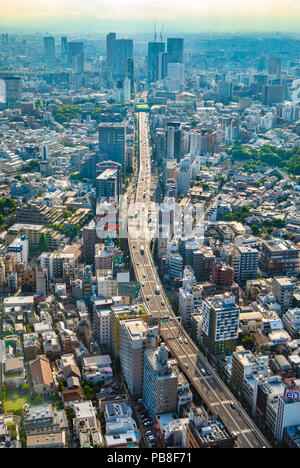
43,245
248,342
255,229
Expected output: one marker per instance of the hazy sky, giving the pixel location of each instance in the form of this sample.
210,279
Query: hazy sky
139,15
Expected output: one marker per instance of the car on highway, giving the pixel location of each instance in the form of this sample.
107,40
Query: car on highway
186,341
143,284
163,304
203,371
147,298
232,405
180,340
186,366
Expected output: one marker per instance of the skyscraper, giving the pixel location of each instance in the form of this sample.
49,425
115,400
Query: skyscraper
112,141
274,66
64,44
13,91
175,49
129,73
74,49
273,94
122,49
110,39
78,63
154,49
49,48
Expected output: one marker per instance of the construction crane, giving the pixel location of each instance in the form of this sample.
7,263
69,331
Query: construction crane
161,33
154,32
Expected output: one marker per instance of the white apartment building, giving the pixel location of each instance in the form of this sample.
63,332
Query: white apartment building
101,325
19,249
291,322
220,323
135,337
106,285
189,298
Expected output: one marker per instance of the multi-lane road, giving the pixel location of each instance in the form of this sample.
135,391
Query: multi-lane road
210,387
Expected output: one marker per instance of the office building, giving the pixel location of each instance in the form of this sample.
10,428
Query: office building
74,49
49,48
129,73
173,141
122,50
135,338
176,265
110,39
13,91
274,66
175,71
175,49
78,64
224,90
107,184
112,142
220,323
64,45
273,94
160,382
154,49
89,239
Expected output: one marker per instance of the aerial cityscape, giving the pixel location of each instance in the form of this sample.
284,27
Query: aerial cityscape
149,226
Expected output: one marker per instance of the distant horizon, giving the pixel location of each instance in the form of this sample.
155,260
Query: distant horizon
139,16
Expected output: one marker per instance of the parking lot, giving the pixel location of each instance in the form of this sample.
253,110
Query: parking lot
145,424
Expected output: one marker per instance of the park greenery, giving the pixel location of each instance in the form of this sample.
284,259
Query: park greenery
286,159
67,113
72,111
238,215
32,166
